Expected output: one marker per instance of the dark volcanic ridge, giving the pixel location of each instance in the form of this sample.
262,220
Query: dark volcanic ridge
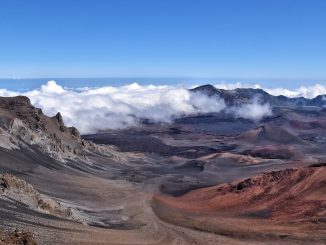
241,96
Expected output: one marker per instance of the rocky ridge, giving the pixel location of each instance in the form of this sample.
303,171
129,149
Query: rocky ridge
22,126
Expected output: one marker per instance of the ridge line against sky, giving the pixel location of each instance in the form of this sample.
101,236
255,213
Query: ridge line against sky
279,39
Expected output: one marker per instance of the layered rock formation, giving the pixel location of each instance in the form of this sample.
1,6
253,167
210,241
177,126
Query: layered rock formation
23,125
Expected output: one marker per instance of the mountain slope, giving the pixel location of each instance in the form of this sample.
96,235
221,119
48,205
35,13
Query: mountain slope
23,125
290,204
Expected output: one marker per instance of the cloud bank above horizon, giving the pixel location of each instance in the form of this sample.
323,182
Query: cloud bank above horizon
308,92
94,109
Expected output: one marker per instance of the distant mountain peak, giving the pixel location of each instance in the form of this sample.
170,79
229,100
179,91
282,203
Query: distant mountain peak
241,96
207,89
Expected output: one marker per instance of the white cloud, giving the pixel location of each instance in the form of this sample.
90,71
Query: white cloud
255,110
52,88
93,109
102,108
309,92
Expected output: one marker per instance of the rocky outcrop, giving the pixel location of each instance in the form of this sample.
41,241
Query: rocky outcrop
60,145
19,101
23,125
74,132
19,190
17,237
59,118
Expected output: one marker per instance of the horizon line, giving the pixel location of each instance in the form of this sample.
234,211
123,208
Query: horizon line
162,77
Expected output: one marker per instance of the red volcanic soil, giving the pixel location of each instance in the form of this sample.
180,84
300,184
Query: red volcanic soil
274,152
296,193
269,134
291,197
238,158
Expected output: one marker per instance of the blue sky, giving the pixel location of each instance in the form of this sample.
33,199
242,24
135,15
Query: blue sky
245,39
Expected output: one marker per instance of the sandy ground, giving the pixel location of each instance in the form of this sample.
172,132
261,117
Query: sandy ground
102,196
126,212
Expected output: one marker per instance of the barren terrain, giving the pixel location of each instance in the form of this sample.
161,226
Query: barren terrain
202,179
